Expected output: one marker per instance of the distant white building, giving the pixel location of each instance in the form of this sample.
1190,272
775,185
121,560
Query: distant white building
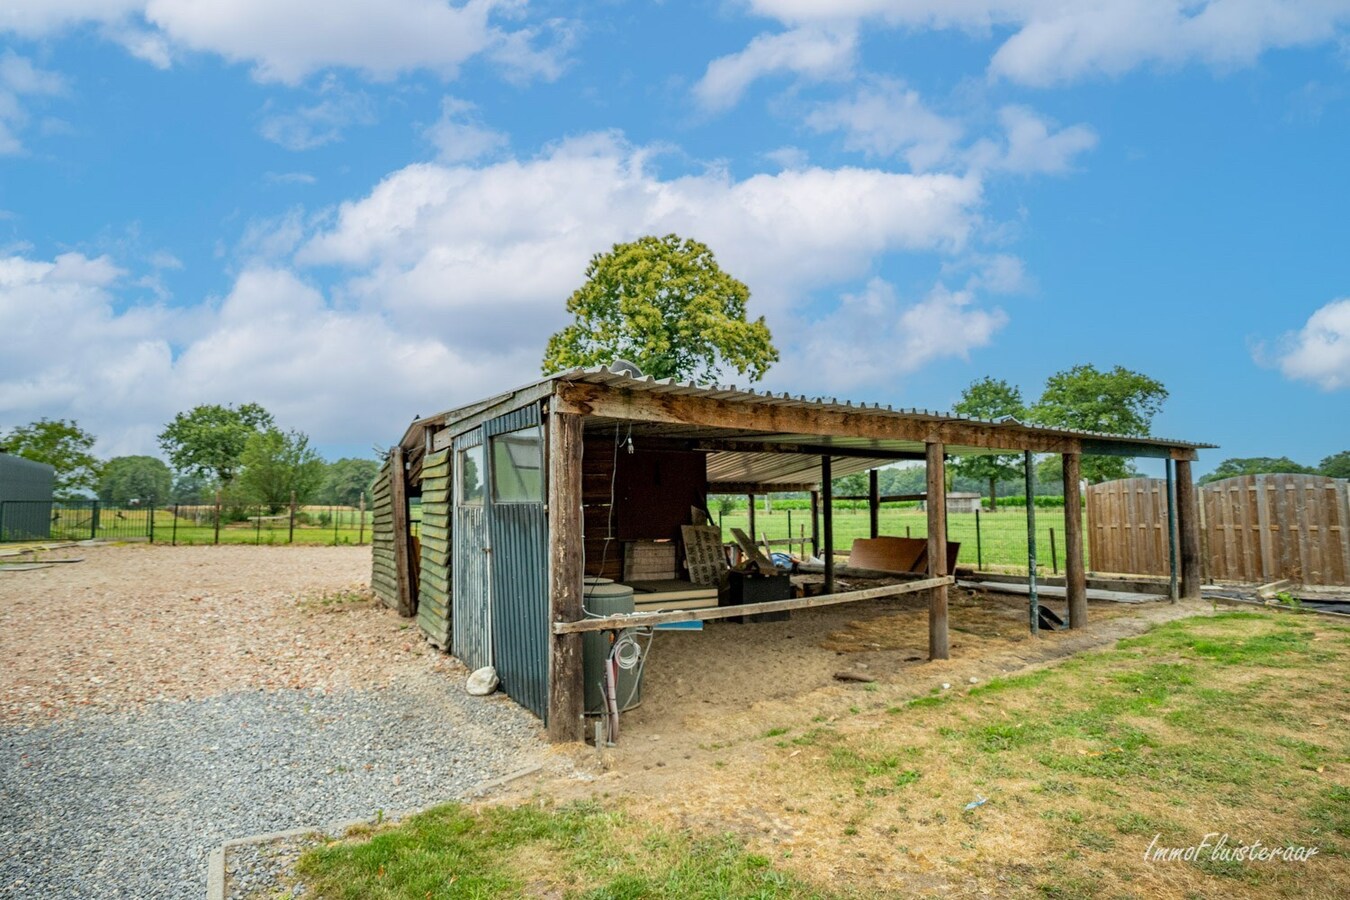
960,503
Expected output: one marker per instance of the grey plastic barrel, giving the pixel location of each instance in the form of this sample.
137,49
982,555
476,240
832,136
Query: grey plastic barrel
607,599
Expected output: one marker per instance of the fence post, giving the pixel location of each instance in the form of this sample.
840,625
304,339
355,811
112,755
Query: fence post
361,537
1054,555
332,511
290,538
979,546
217,515
257,528
173,536
152,520
93,521
1033,601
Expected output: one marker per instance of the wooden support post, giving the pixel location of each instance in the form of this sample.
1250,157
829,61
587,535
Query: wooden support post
1075,575
815,523
750,509
1033,599
1173,584
398,498
827,498
566,684
874,500
936,504
1188,526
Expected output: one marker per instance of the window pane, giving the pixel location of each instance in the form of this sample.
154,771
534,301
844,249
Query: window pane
517,466
471,476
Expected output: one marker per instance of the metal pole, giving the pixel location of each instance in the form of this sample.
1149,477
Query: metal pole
1054,554
750,507
217,515
815,523
1033,601
173,537
1174,589
979,548
152,520
291,537
257,528
332,511
789,531
827,497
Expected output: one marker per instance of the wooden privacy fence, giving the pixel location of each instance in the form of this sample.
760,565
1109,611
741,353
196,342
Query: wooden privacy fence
1253,528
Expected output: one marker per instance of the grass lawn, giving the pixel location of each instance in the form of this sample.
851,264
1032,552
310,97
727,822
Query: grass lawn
1234,724
1002,540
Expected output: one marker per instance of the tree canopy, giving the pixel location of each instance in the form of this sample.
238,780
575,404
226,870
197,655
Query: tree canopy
1337,465
1255,465
208,440
127,478
990,398
274,464
664,304
61,444
347,478
1084,398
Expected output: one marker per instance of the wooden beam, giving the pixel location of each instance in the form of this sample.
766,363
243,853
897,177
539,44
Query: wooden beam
1188,526
643,619
691,410
1173,573
566,684
939,646
749,487
750,508
735,446
1075,574
827,500
1033,598
874,501
398,497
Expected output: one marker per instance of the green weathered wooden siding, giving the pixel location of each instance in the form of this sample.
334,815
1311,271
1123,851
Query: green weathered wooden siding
433,605
383,573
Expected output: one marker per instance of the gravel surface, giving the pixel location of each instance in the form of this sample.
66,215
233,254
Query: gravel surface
158,701
130,804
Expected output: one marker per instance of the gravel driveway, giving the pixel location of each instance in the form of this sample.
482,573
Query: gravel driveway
111,792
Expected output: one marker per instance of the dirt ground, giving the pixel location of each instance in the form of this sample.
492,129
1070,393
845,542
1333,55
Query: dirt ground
137,623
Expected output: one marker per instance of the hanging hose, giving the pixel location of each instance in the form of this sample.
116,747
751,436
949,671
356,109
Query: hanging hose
624,654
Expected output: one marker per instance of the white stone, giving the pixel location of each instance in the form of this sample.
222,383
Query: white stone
974,680
482,682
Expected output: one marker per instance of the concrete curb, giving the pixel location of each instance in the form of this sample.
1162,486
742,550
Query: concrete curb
215,864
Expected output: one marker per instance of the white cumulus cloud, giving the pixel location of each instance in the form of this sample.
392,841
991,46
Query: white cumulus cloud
1320,351
813,53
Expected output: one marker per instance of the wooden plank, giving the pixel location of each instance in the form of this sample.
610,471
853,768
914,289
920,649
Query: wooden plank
611,623
1075,573
938,644
827,519
750,549
873,503
398,499
703,553
888,554
566,689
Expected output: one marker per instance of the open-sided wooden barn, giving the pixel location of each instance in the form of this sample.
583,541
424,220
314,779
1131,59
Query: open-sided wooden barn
526,493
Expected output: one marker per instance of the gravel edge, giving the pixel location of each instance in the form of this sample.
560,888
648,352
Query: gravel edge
217,881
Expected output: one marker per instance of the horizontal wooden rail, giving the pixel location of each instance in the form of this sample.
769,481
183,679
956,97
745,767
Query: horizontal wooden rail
642,619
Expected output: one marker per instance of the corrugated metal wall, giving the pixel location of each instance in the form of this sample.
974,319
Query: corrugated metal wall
433,594
470,617
29,484
518,533
383,571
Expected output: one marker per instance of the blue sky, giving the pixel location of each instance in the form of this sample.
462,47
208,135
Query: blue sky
354,212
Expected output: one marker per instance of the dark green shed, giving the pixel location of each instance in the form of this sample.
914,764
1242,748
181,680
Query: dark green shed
25,498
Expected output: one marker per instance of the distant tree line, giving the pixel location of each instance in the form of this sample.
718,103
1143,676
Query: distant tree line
238,451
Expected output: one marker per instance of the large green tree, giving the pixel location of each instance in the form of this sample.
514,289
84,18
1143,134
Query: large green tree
61,444
1255,465
1085,398
208,440
664,304
990,398
127,478
347,478
276,465
1337,465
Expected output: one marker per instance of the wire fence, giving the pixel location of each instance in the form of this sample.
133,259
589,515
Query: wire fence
189,523
991,542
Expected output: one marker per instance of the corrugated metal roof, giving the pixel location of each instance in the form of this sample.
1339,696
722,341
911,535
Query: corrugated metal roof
728,466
